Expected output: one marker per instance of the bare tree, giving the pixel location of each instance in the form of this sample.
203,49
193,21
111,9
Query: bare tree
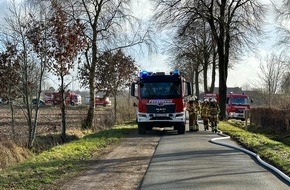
15,33
188,61
105,21
10,79
232,24
271,75
61,41
38,47
195,44
286,82
282,18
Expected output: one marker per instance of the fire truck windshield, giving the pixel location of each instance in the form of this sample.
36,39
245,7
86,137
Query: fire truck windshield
240,101
160,90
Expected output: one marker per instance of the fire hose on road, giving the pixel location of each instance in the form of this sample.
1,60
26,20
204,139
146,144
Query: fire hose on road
265,164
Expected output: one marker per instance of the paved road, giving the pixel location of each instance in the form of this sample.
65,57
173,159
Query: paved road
190,161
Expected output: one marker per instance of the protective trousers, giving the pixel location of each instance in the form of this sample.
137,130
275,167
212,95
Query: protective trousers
193,126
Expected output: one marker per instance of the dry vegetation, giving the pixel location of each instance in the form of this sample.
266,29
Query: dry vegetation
13,147
13,150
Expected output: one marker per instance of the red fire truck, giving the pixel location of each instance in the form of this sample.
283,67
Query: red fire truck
54,98
160,100
236,104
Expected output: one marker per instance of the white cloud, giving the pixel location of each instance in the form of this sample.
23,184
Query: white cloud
155,63
244,73
142,9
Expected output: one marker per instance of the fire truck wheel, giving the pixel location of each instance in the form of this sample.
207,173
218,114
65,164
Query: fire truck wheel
149,128
141,128
181,129
227,115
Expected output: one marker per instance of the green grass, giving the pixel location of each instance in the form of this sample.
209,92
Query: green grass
61,162
274,152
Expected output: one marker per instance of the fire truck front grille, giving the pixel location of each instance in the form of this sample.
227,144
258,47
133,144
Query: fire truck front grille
170,108
239,110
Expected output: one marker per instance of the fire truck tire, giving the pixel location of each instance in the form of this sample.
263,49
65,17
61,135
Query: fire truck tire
227,115
181,129
141,128
149,128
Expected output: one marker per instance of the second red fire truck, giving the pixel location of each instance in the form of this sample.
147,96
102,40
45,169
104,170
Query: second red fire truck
236,104
161,100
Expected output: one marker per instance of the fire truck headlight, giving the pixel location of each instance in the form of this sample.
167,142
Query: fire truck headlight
179,115
231,113
142,115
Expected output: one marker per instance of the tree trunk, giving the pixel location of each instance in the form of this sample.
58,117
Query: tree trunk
91,111
63,110
26,98
43,61
196,78
205,85
115,108
12,118
222,79
222,89
192,81
92,73
213,73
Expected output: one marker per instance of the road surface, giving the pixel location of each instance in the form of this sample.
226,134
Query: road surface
190,161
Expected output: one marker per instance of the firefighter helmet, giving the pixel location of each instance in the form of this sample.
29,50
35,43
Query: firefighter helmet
192,99
206,100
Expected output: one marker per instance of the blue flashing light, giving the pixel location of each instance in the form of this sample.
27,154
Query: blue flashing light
176,72
143,74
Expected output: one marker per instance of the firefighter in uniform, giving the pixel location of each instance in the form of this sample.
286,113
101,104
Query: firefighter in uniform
205,113
213,114
192,108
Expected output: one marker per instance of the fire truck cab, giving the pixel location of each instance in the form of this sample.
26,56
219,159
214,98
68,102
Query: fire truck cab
160,100
236,105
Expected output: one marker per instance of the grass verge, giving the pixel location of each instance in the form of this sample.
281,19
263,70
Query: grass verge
274,152
62,162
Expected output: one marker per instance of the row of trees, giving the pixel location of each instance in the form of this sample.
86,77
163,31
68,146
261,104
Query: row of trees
211,35
274,81
53,36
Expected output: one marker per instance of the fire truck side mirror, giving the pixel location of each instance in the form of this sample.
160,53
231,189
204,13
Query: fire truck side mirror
133,90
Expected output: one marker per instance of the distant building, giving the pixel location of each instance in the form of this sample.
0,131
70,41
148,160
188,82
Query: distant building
235,90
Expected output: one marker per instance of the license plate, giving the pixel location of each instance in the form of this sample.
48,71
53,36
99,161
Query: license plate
161,114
